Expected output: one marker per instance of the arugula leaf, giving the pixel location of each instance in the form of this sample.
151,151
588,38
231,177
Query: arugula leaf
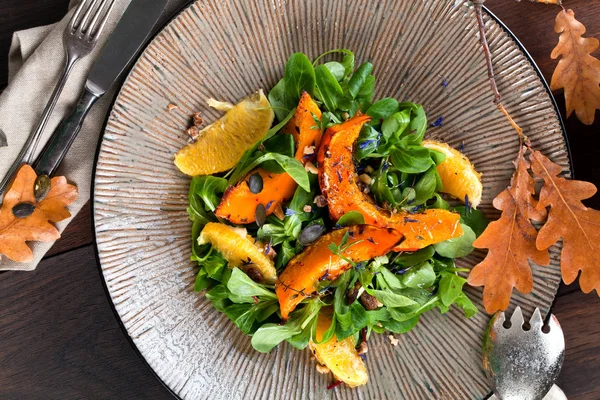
359,78
394,125
422,276
389,280
243,287
437,156
395,326
450,287
475,219
351,218
425,186
409,259
457,247
281,144
366,91
330,91
367,142
382,109
336,69
412,160
278,100
289,164
466,304
208,188
268,336
391,299
299,76
285,254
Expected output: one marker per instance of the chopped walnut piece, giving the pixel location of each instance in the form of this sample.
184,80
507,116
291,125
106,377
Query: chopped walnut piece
393,340
309,150
322,369
320,201
307,208
171,107
193,133
363,348
310,167
197,119
366,179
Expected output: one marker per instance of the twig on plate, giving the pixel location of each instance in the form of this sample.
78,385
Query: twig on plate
478,5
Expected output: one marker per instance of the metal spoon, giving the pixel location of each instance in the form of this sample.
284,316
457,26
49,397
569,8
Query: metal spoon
523,363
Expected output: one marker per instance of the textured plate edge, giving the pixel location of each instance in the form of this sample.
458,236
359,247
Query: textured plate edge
101,138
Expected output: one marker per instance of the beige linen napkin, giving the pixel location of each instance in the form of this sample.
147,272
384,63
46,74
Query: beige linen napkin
36,59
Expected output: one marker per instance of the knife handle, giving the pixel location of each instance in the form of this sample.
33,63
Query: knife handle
63,136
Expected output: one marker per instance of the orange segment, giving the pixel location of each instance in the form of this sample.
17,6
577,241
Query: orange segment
221,144
239,204
340,356
238,250
459,177
317,263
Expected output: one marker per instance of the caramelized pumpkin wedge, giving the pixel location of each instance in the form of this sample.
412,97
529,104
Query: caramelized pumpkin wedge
317,263
340,356
339,184
239,203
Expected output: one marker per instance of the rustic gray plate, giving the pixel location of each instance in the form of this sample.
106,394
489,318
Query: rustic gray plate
230,48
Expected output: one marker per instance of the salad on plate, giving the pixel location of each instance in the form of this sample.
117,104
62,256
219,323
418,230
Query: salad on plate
321,216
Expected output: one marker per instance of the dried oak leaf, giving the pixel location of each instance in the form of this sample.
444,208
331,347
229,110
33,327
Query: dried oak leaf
15,232
577,72
569,219
511,242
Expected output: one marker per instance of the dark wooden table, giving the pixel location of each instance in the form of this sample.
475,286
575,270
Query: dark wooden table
59,338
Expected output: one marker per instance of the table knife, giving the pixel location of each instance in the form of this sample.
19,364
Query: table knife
125,42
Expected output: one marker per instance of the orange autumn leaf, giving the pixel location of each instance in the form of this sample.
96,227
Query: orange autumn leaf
577,72
511,242
569,219
15,232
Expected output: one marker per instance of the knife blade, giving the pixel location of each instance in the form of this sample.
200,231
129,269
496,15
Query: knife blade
127,39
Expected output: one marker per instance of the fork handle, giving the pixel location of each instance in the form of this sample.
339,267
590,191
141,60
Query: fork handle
63,136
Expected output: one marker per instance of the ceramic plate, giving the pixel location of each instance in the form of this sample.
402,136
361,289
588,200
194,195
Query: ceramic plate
426,51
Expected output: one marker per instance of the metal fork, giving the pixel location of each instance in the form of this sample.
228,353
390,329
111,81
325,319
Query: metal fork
79,39
522,362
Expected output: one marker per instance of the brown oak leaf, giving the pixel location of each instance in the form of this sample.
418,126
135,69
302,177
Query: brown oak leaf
569,219
15,232
577,72
511,241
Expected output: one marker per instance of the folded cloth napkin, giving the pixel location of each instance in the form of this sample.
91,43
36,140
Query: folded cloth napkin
36,59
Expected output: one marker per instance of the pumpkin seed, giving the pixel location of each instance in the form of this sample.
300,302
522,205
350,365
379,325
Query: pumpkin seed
23,210
310,234
255,275
41,187
260,214
255,183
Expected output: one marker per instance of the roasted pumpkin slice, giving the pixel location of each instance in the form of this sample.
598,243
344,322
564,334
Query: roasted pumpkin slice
339,184
339,356
316,263
239,203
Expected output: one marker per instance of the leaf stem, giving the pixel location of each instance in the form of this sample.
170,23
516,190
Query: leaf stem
478,5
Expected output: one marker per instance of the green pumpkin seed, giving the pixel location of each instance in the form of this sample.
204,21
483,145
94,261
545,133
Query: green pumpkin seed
41,187
310,234
23,210
255,183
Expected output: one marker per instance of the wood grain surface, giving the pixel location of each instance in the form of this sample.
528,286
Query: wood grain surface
59,338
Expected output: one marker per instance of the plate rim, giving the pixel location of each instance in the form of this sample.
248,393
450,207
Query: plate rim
157,31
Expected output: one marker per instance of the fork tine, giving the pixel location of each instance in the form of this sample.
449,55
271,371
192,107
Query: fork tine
83,27
94,32
536,321
75,18
517,318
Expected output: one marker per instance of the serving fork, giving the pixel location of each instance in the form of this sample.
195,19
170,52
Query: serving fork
79,39
522,361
